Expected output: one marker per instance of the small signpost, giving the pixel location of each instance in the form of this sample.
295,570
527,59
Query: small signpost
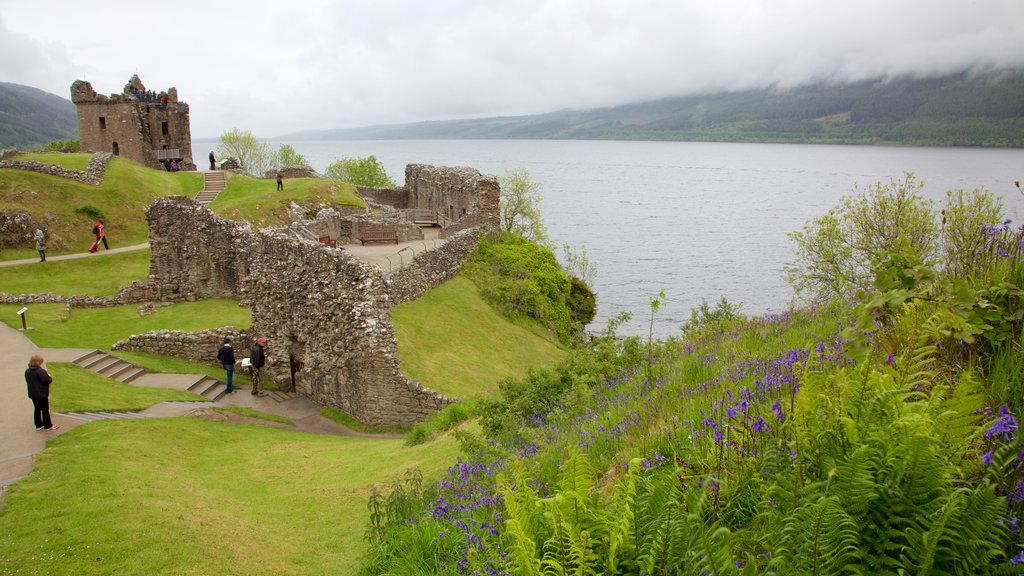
21,313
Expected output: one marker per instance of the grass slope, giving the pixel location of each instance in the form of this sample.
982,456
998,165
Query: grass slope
76,389
64,206
455,343
54,326
258,200
99,275
185,496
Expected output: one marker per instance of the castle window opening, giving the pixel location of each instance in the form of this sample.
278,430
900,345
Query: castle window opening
163,128
103,122
115,149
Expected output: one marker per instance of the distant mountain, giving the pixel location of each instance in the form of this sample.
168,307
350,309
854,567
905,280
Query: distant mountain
956,110
31,118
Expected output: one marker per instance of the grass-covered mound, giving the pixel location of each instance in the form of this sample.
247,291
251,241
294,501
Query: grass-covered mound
101,274
258,200
68,208
453,342
189,496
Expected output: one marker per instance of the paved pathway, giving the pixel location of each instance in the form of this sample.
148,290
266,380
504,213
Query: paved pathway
75,255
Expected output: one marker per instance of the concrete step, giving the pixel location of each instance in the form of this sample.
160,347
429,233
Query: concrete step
110,366
279,396
209,387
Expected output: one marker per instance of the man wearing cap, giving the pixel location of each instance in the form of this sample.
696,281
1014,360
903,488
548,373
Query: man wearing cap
257,358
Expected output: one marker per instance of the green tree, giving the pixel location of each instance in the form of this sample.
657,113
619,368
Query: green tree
834,253
366,171
520,206
254,156
287,156
963,216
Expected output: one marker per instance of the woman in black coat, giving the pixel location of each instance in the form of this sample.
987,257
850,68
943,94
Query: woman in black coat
38,381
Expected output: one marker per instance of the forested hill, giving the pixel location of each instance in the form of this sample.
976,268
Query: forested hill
30,118
957,110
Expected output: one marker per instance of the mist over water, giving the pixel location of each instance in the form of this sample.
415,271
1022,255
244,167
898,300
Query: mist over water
697,220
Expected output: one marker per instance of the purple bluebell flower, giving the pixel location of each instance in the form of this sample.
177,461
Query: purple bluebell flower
1004,426
777,409
986,456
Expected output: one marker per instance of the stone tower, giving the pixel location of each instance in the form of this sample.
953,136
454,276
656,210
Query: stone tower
151,128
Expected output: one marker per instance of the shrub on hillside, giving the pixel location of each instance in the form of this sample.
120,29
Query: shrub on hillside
62,146
523,279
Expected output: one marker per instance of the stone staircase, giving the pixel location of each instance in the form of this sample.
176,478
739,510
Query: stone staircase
110,366
213,183
123,371
92,416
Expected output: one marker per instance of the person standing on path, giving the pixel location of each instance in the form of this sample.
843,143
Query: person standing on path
257,358
40,237
280,181
213,161
38,381
226,355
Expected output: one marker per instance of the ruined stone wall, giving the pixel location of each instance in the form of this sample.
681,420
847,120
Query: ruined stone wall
93,174
432,268
325,306
139,291
199,347
396,197
138,127
454,192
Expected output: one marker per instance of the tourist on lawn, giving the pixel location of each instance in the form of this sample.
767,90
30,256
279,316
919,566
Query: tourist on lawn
280,181
40,237
226,355
100,230
38,381
257,358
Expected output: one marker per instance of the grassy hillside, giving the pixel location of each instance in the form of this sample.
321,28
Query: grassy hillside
30,118
187,496
956,110
66,209
258,200
455,343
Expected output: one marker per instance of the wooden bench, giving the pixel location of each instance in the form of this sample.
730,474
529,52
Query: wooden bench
378,236
327,241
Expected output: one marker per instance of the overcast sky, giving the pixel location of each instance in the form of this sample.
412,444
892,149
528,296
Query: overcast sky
279,67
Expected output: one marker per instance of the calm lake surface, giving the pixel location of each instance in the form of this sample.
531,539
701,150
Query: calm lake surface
697,220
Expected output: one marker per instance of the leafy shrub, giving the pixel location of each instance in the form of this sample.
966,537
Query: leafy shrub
441,421
90,211
523,279
62,146
582,302
366,171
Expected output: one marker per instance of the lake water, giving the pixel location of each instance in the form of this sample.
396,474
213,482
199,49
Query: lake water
697,220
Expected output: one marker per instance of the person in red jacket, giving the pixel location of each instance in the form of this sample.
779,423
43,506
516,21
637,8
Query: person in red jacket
100,230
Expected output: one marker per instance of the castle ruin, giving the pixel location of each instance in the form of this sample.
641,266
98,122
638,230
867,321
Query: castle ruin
149,127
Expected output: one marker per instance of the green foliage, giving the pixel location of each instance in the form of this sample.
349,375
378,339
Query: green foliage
254,156
523,279
963,217
89,211
65,146
834,253
582,302
366,171
704,317
287,156
520,206
441,421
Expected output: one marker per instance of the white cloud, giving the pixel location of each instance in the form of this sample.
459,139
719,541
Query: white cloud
275,68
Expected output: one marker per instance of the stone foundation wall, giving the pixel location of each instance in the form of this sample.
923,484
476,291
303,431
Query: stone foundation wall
93,174
137,292
433,267
199,347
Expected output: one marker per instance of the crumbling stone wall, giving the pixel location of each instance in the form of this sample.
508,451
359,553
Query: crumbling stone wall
432,268
134,127
328,308
93,174
199,347
139,291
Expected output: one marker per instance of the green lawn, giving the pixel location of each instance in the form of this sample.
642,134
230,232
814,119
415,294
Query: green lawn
258,200
76,389
99,275
74,161
186,496
55,326
455,343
